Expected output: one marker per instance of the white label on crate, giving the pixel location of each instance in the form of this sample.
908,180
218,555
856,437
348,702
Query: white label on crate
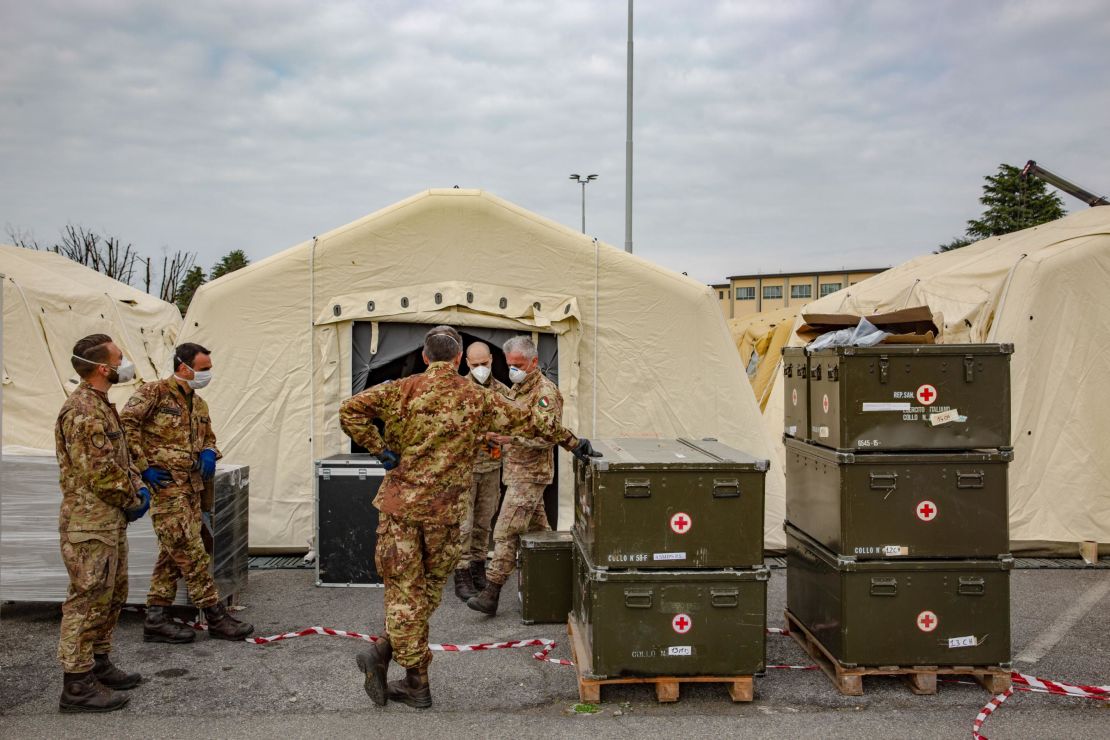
895,550
959,642
688,650
792,430
944,417
822,432
876,406
669,556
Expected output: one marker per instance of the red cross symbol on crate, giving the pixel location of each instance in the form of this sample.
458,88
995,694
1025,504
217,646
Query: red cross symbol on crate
681,523
926,394
926,511
681,623
927,621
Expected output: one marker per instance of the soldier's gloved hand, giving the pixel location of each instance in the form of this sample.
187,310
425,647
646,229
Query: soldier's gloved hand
157,477
389,459
207,461
584,450
133,515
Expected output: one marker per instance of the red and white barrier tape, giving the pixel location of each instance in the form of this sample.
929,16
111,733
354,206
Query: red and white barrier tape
1023,682
986,712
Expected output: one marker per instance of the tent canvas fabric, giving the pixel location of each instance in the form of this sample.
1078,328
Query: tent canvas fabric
641,350
1044,290
49,303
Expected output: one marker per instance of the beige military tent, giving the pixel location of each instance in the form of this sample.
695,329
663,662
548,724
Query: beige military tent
49,303
637,350
1045,290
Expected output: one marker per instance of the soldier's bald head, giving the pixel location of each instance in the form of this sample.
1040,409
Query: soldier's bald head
478,353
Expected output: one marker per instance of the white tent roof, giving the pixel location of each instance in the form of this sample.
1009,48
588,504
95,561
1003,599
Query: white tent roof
642,350
1045,290
50,302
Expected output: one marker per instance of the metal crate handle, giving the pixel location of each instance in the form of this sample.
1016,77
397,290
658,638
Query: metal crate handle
816,374
884,586
970,480
637,599
834,373
972,586
729,488
883,481
803,370
637,488
788,369
725,598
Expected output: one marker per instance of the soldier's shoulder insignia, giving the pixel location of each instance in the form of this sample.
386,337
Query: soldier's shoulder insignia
99,440
544,402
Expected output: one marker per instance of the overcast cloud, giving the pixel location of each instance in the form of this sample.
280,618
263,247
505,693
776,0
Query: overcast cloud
769,136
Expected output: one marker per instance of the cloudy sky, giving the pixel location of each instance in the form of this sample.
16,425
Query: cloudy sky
769,136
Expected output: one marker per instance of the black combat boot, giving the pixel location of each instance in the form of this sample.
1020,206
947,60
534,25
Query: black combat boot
223,626
464,584
486,602
413,689
81,692
478,573
113,677
158,628
375,664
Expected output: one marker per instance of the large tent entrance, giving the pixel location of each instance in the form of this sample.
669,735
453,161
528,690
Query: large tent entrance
394,350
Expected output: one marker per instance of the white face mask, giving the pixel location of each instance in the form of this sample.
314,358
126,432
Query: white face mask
125,373
517,375
200,379
480,373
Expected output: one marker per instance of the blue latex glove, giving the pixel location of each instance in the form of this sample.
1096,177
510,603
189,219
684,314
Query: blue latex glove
389,459
134,515
207,459
157,477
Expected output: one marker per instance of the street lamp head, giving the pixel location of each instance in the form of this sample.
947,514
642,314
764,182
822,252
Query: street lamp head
591,177
575,177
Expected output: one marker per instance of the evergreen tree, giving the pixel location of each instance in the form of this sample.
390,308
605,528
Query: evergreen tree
1013,203
234,260
193,279
956,243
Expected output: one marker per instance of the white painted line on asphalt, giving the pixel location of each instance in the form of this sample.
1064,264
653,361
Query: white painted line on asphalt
1048,639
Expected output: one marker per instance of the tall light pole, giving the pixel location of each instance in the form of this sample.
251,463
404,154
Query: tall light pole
585,181
628,144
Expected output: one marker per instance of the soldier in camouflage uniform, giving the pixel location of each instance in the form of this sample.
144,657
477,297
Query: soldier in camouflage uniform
101,493
170,435
529,467
433,423
470,573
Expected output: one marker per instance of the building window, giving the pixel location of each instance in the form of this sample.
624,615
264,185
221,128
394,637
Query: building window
801,291
745,294
721,295
772,292
829,288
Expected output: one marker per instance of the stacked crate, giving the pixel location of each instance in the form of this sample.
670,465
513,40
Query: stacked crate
669,568
896,504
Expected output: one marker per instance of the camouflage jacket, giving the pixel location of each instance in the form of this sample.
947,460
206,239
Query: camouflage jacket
532,459
483,462
434,421
97,478
163,432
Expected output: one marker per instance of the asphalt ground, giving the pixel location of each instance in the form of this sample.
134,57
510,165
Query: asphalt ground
310,687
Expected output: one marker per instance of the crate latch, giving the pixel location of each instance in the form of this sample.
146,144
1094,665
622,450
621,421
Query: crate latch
637,488
884,369
884,586
325,473
816,374
724,597
803,370
362,473
970,480
971,586
834,373
726,488
788,369
969,368
637,598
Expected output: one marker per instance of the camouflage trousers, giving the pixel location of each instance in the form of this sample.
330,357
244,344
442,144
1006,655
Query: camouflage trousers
474,531
521,512
181,554
97,565
414,560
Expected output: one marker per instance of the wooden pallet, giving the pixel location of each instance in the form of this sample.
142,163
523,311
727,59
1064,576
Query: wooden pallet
922,679
740,688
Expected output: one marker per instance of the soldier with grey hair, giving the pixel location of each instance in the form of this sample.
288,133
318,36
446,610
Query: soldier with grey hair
527,469
434,421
